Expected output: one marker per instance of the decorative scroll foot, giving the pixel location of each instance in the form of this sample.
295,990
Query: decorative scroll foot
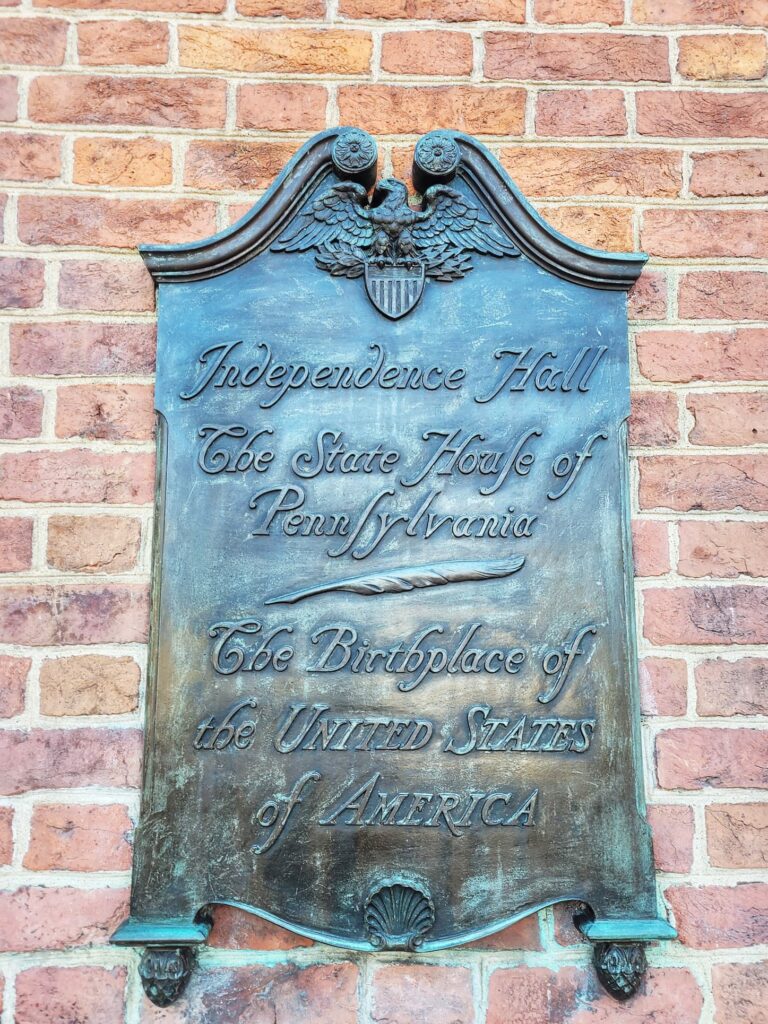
398,916
620,967
164,973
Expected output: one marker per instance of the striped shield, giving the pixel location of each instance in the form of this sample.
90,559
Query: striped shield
394,290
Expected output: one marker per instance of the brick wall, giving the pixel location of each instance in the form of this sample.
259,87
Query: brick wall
630,125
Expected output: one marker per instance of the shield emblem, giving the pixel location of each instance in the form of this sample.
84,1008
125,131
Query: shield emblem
394,290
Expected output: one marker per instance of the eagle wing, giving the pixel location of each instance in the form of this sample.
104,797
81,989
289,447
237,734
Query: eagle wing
338,215
449,217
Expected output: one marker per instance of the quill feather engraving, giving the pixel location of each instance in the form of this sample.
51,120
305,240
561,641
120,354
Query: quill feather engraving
400,581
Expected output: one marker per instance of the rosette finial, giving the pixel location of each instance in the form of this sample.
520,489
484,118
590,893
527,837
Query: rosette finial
354,156
436,160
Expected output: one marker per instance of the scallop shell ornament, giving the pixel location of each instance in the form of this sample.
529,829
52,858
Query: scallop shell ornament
398,916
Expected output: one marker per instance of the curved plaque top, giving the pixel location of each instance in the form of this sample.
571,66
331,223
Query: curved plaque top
350,154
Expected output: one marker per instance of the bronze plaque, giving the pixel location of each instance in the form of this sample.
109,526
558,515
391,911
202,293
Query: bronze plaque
392,697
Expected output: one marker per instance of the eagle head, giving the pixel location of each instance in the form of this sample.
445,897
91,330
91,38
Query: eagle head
389,190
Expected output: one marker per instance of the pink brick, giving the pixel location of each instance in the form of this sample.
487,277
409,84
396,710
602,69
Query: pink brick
663,686
74,613
33,919
15,543
53,995
703,758
13,681
720,916
732,687
672,827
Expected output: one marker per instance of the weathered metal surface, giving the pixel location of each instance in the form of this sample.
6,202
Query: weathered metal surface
392,697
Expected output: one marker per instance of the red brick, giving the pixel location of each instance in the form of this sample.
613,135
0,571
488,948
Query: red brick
22,283
648,297
663,686
741,993
79,837
701,12
281,8
93,349
723,549
33,919
536,995
524,934
705,233
122,42
654,419
74,614
163,102
77,475
284,106
6,843
512,11
107,412
579,12
386,109
565,931
425,52
711,615
113,223
237,164
29,157
53,995
601,227
741,172
33,41
719,916
690,114
21,412
581,112
736,835
722,355
89,684
707,482
729,419
672,827
699,758
583,56
739,55
66,758
15,544
282,994
650,542
13,681
286,51
177,6
236,929
106,285
124,163
593,171
9,97
420,994
93,543
737,687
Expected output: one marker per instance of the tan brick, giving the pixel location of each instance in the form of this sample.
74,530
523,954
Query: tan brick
706,615
33,41
163,102
236,929
579,12
93,543
89,684
44,615
672,827
720,916
106,286
741,55
737,687
283,106
386,109
124,163
741,993
581,112
654,419
512,11
214,164
593,171
742,172
682,356
15,544
21,412
52,995
93,349
22,282
176,6
723,549
79,837
699,758
736,835
287,51
36,918
729,418
421,994
723,294
113,223
691,114
29,157
650,543
13,682
281,8
77,475
663,686
112,412
701,12
424,52
583,56
705,233
122,42
600,227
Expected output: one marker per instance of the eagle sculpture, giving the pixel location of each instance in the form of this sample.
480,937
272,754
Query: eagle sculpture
392,244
